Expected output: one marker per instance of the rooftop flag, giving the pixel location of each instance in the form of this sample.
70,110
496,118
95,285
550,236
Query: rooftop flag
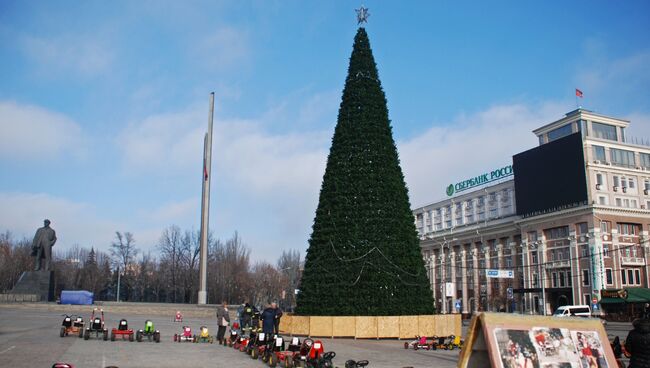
578,93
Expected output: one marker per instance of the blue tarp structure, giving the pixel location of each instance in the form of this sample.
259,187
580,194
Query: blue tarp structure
77,297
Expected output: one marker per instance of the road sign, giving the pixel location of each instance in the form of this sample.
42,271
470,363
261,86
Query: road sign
500,274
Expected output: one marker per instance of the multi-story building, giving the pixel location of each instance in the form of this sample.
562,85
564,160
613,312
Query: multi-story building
571,221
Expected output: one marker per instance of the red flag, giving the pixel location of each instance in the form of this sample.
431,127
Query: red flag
205,171
578,93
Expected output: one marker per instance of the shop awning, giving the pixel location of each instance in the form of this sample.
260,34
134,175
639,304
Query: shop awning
628,295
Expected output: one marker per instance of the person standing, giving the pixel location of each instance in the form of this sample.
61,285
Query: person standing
637,343
278,315
223,320
268,320
246,316
42,246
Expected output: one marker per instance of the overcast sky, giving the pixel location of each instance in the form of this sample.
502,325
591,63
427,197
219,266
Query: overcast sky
103,105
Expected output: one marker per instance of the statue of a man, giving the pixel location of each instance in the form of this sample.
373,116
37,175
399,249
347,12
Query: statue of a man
42,246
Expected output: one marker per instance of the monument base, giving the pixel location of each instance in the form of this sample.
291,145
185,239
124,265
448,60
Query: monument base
40,283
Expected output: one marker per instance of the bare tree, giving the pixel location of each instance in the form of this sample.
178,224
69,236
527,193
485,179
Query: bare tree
171,256
290,267
123,250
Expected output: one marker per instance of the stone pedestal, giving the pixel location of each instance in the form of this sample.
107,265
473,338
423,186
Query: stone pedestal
36,282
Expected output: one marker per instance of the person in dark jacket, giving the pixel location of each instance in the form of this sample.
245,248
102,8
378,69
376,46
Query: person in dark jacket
246,316
637,343
278,315
268,320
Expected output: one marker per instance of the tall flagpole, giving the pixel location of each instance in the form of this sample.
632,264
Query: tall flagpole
205,206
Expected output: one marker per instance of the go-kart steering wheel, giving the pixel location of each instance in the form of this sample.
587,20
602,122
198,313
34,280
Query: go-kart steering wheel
362,363
329,355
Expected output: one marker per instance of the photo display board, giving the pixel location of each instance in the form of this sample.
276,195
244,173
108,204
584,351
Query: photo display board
520,341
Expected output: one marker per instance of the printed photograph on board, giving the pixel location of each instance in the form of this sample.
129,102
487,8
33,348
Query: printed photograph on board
554,346
590,349
516,349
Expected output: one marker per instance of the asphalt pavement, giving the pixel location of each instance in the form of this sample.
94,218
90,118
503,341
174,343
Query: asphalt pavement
30,338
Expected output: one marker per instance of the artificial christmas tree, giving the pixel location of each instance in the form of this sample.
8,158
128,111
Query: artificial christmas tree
364,255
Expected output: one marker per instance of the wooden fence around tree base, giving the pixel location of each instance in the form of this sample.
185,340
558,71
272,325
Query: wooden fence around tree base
380,327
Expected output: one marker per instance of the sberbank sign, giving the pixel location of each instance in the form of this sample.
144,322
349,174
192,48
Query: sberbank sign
480,180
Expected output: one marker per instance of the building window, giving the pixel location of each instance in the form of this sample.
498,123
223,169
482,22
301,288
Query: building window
630,277
644,159
535,280
560,275
599,153
560,132
628,229
602,200
599,179
608,276
554,279
534,255
619,202
622,157
637,277
584,250
586,299
569,279
605,226
585,277
582,228
605,251
623,277
604,131
557,233
646,185
631,183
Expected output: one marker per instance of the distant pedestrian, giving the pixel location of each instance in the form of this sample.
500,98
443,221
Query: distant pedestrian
637,342
278,315
246,316
223,320
268,320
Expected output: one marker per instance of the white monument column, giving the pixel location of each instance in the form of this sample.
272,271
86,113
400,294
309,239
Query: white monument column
205,207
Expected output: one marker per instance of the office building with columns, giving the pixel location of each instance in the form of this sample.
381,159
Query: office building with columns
567,223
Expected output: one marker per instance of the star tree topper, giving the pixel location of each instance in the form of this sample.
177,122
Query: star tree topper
362,15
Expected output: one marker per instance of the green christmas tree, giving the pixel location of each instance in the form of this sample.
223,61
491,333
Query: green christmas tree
364,256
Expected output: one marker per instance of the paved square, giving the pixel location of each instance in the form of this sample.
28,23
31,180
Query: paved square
30,338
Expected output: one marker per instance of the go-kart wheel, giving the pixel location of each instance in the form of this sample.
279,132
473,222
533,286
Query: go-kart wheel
131,337
254,354
175,337
112,336
329,355
138,336
415,347
406,345
288,362
86,335
156,337
450,347
211,339
81,333
265,357
273,361
62,332
105,335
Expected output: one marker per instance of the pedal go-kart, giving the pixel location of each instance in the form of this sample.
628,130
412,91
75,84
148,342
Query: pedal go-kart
148,332
312,355
233,337
204,336
178,317
358,364
123,331
185,335
72,325
447,342
277,354
96,326
420,342
259,346
241,343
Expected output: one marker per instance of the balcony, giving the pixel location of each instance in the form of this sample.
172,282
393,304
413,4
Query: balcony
558,264
632,261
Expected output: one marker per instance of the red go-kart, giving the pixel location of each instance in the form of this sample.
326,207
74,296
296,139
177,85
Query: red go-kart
123,331
185,335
